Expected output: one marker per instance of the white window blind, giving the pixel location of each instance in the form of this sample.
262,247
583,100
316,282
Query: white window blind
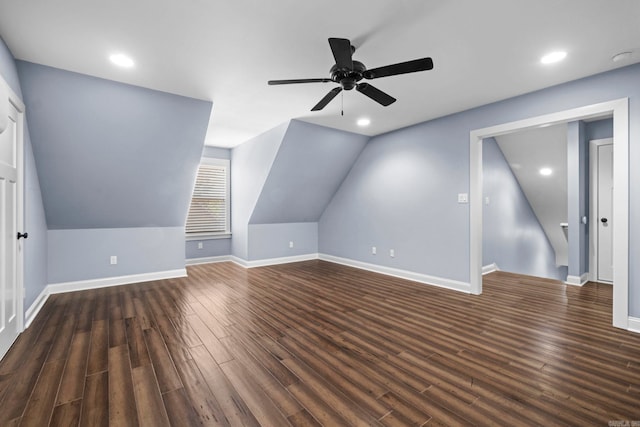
209,210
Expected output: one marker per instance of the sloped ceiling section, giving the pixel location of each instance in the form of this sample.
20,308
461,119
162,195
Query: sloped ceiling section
310,165
111,155
527,153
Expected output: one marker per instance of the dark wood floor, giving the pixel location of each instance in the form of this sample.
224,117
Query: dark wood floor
315,343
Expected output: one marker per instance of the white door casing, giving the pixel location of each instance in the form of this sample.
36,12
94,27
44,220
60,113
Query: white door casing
619,109
601,210
11,216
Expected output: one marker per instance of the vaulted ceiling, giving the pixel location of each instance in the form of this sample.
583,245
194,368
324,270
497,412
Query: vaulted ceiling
226,51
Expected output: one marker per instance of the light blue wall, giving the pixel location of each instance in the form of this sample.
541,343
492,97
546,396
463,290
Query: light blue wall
310,165
272,240
117,159
35,247
281,182
578,197
76,255
512,237
402,190
112,155
250,166
210,248
599,129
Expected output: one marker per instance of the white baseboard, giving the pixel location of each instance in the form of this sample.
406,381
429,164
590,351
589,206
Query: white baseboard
486,269
403,274
634,324
577,280
208,260
81,285
35,308
273,261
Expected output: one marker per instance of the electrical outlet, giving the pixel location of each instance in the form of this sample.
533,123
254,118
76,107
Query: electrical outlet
392,253
113,260
291,244
373,250
487,200
200,246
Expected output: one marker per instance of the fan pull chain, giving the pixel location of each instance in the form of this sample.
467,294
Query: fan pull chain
342,100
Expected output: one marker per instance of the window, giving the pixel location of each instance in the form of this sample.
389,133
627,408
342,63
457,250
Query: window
209,210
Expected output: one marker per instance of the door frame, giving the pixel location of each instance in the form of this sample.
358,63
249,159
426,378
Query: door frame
14,99
619,109
593,205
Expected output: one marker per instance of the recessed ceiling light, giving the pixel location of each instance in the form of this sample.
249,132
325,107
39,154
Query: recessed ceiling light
121,60
546,171
553,57
363,122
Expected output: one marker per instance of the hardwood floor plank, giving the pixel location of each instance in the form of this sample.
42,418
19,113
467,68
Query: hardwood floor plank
179,409
41,402
138,353
151,409
95,405
234,408
66,415
163,365
98,352
203,401
122,401
72,384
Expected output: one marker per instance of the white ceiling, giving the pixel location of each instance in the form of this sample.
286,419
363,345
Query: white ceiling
225,51
529,151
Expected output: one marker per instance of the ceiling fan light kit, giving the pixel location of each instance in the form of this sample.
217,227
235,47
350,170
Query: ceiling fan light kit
348,74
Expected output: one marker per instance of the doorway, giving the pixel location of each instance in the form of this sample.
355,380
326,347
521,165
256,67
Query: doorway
11,216
619,109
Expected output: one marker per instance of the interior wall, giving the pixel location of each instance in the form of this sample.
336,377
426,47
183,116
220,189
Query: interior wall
402,191
117,166
250,166
512,236
79,255
35,247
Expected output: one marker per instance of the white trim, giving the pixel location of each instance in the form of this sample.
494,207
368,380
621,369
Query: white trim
207,236
81,285
486,269
620,110
207,260
17,103
35,308
272,261
403,274
634,324
594,144
577,280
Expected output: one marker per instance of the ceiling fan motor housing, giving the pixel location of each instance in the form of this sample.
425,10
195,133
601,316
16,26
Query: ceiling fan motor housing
348,78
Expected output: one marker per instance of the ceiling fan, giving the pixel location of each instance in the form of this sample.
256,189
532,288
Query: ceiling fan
348,73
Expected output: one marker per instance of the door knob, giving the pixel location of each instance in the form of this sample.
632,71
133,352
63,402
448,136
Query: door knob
22,235
603,220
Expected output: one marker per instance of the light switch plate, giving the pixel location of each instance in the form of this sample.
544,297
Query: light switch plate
463,198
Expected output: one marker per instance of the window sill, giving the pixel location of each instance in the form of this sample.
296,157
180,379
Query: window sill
207,236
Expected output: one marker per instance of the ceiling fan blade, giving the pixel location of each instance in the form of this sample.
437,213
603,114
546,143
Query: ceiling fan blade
288,82
342,52
422,64
327,98
376,94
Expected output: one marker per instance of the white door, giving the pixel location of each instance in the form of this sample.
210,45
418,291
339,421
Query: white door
10,302
605,213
